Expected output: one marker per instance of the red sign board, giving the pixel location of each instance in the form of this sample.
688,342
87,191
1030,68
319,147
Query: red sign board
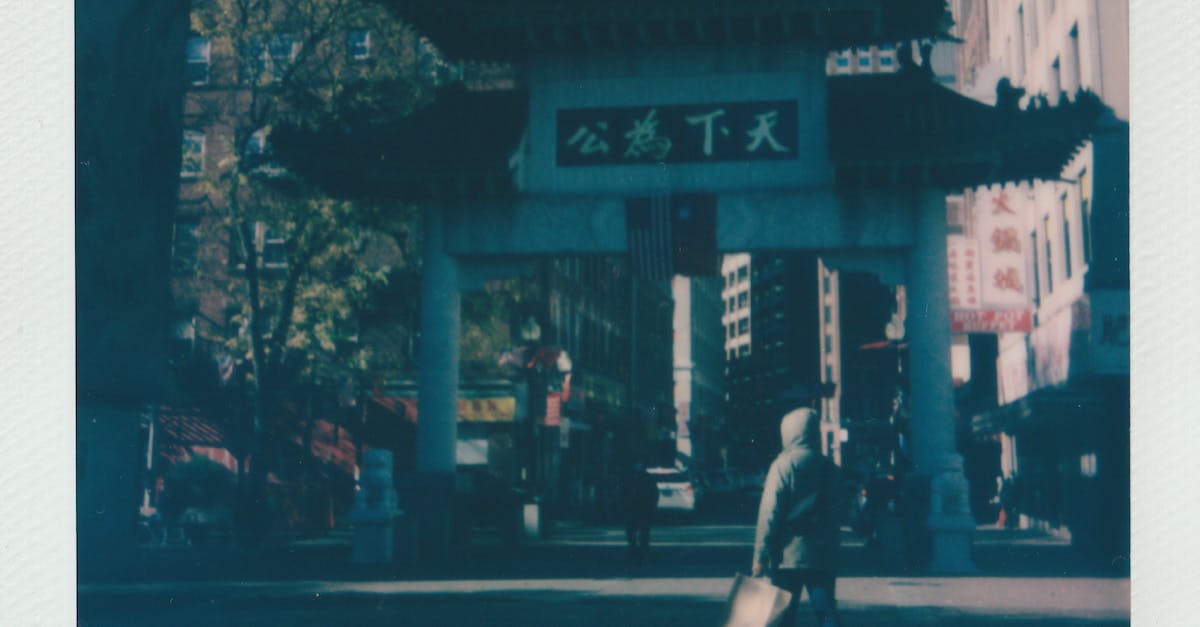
991,320
553,410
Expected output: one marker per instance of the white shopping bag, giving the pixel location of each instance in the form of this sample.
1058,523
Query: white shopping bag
755,602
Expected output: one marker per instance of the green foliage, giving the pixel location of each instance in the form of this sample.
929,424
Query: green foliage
198,482
298,268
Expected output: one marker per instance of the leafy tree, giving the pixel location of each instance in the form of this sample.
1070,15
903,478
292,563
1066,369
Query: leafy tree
285,271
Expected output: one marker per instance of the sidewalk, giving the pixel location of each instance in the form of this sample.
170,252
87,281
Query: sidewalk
580,578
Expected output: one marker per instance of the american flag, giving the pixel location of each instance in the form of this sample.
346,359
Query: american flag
649,229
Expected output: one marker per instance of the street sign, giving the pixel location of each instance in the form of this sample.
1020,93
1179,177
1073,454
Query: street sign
990,320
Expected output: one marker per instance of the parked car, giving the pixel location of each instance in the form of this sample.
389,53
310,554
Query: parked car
676,490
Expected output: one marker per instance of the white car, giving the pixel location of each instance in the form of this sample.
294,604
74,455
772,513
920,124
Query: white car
675,490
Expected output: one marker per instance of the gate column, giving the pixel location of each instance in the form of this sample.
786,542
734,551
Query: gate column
938,464
431,493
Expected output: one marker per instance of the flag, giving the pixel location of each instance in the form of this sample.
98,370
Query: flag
648,222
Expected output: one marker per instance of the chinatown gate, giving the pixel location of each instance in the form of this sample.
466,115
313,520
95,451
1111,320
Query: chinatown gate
622,106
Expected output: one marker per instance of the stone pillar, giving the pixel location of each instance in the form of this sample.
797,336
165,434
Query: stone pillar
431,492
937,463
375,510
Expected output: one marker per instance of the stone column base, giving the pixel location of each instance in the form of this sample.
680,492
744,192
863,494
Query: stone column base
950,523
428,499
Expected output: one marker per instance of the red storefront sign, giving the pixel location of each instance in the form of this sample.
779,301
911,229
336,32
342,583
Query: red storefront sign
991,320
553,410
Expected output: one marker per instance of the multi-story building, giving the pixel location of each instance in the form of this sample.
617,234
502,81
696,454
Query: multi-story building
736,293
1063,375
699,339
778,368
830,334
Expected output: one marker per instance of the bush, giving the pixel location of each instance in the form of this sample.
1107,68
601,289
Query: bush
197,483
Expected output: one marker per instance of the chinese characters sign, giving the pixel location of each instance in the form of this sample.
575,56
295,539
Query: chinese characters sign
990,320
988,291
1000,215
962,263
699,133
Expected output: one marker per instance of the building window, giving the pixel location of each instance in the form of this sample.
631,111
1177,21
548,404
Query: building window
1054,89
743,326
359,44
825,283
283,51
274,249
743,273
274,57
1037,280
1088,467
887,56
828,314
256,144
743,300
184,247
864,58
744,350
1073,51
1049,260
1085,206
730,355
732,330
841,63
192,164
828,374
1066,229
270,246
199,55
828,344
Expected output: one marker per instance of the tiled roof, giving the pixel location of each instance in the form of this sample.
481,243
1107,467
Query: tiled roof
507,30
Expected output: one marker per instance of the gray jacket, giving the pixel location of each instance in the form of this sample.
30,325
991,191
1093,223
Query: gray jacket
798,472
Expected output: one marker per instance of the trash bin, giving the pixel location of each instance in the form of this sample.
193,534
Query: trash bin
532,515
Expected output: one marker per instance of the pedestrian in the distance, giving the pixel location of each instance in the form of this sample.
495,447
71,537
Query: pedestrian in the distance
639,498
799,520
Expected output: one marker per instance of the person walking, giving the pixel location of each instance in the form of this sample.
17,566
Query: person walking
639,498
800,515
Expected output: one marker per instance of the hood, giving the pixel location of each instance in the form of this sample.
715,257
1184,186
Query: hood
801,427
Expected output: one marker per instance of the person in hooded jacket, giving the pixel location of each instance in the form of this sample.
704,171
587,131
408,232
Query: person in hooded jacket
799,519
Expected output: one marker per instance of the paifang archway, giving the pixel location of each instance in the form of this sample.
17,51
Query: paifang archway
620,101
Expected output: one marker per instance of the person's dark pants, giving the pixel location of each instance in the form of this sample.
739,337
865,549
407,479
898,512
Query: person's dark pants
638,537
820,585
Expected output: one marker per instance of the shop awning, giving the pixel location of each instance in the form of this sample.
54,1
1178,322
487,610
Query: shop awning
1078,404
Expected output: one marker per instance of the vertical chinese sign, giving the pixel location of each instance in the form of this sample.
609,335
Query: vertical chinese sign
962,262
995,261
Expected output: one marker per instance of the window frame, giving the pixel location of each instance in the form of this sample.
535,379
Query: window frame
352,45
200,139
1066,235
204,58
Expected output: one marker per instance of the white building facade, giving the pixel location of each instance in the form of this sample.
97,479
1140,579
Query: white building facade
1062,376
735,270
698,354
